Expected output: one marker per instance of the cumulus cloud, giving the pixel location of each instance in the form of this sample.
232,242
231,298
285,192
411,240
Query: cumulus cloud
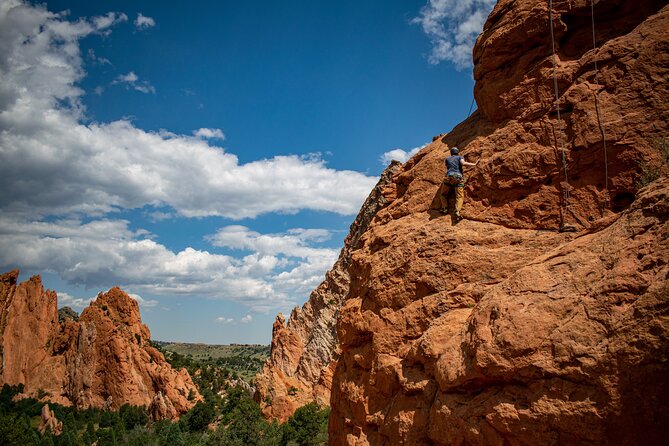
225,320
293,243
453,26
54,164
398,155
144,22
303,274
101,253
143,302
131,80
246,319
209,133
61,177
76,303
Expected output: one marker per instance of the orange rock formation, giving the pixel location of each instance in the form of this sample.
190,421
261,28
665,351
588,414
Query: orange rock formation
498,331
304,351
501,330
103,360
49,421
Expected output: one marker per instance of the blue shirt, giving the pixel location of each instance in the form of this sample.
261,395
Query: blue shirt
454,165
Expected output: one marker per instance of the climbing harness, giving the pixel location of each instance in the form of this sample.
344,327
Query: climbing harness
597,106
557,107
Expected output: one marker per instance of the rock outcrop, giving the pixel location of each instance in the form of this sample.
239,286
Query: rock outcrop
102,360
304,351
49,421
501,330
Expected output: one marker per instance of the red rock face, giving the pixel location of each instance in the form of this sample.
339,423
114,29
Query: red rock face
304,351
103,360
500,330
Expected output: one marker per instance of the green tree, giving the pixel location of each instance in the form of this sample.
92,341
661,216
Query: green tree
132,416
15,432
47,439
199,417
172,436
308,426
248,427
107,437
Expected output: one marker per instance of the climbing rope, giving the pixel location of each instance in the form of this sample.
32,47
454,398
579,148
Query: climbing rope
597,106
557,107
470,108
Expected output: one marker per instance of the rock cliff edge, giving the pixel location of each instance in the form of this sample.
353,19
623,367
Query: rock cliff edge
102,360
500,329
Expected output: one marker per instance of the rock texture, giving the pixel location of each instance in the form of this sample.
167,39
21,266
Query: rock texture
304,351
102,360
500,330
49,421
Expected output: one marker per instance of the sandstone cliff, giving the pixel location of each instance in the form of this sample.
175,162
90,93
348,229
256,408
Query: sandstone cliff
501,330
304,351
472,334
102,360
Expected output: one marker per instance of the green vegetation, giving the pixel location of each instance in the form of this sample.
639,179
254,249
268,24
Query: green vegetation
237,418
652,170
240,361
227,416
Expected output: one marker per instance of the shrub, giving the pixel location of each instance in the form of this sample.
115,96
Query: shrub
132,416
199,417
308,426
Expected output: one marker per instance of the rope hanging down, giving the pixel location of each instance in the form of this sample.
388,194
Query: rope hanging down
597,106
557,107
470,107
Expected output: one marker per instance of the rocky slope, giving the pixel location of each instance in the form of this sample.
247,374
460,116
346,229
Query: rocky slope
102,360
304,351
500,330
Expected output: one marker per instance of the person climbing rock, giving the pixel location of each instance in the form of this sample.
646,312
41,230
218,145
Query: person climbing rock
453,188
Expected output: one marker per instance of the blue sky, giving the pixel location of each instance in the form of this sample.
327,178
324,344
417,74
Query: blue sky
209,157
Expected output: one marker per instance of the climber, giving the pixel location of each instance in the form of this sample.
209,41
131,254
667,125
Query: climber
453,188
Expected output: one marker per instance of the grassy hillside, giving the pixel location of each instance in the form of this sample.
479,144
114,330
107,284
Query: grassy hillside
243,360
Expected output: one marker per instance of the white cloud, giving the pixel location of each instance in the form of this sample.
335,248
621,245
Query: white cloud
143,302
398,155
66,300
293,243
209,133
102,253
97,59
453,26
54,164
131,80
60,176
108,20
231,321
160,216
144,22
303,275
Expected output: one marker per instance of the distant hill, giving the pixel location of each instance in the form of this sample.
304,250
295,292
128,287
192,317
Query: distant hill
244,359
